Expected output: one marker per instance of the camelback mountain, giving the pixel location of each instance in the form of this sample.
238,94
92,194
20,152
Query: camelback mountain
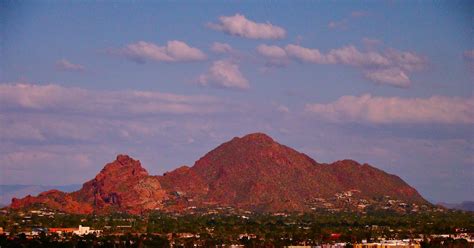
252,173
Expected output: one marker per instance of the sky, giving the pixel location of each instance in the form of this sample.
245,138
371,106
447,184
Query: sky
389,83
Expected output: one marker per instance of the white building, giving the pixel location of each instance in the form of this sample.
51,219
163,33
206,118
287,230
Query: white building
84,230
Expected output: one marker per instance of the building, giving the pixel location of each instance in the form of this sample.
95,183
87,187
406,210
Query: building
389,244
80,231
84,230
62,230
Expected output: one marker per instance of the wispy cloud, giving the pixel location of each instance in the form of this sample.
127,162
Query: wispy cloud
66,65
390,67
391,76
239,25
52,97
224,74
219,47
173,51
384,110
343,23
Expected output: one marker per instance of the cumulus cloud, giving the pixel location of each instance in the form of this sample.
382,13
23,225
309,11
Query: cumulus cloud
384,110
390,67
52,97
239,25
272,51
224,74
274,55
174,51
305,54
218,47
65,65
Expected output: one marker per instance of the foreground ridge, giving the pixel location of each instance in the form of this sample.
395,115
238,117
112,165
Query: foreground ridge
253,172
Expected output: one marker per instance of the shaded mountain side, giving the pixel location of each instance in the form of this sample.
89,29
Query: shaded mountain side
184,180
372,182
253,172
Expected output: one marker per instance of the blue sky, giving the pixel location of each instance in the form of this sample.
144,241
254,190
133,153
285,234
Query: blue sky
389,83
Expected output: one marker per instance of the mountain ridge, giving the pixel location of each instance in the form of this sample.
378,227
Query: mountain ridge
252,172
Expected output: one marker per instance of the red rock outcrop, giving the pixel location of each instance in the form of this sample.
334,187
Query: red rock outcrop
123,185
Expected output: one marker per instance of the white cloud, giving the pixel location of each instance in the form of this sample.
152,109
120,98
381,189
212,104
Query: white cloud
224,74
272,51
390,67
350,55
239,25
65,65
406,60
174,51
274,55
305,54
52,97
218,47
392,76
371,109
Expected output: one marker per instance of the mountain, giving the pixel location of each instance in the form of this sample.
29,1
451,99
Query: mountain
253,172
123,185
465,205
